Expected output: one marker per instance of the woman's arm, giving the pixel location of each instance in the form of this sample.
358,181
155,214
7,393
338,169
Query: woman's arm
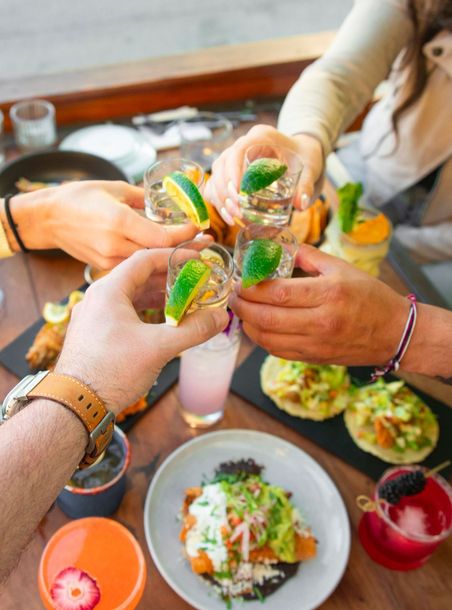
331,93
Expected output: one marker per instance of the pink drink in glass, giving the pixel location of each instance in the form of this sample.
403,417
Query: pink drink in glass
204,379
404,535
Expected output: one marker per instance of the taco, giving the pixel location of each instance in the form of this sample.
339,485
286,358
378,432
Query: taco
309,391
391,422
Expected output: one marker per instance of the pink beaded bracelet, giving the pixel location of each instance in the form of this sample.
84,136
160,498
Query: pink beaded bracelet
394,363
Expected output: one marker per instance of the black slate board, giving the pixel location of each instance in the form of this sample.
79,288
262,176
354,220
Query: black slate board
12,357
332,434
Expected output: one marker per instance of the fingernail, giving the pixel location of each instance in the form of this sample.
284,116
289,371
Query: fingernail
226,216
232,208
232,190
305,199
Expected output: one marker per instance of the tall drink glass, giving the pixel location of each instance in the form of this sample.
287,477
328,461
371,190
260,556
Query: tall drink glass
282,236
273,204
403,536
216,291
366,256
205,377
159,207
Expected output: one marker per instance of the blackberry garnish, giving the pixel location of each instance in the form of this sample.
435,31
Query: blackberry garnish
408,484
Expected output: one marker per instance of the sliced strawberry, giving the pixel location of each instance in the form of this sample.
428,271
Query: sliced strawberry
74,589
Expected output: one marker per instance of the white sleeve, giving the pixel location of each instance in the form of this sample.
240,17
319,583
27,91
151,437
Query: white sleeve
335,89
427,243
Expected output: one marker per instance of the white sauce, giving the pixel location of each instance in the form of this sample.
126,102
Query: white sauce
210,512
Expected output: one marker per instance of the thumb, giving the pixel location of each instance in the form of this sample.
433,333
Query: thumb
315,262
194,329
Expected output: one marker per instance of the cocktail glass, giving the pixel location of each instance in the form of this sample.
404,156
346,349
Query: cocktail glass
367,257
159,207
203,137
216,291
282,236
273,204
106,551
404,535
205,377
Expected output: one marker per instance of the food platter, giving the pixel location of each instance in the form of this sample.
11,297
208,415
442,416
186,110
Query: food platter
286,465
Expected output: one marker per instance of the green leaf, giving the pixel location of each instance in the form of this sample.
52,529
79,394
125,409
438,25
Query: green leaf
349,196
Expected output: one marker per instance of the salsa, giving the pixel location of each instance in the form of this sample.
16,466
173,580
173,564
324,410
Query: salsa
102,472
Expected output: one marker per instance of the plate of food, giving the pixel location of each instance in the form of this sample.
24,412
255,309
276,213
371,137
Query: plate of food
368,425
239,515
50,168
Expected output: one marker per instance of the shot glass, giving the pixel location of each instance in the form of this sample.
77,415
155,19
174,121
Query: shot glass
218,288
204,137
365,256
280,235
34,124
159,207
205,377
273,204
403,536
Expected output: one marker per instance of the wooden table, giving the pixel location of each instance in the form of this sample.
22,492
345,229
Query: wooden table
28,282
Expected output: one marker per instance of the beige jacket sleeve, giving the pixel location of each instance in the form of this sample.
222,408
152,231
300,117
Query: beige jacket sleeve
334,90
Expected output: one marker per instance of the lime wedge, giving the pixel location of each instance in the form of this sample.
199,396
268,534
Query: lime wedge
261,260
54,313
75,297
194,274
261,173
186,195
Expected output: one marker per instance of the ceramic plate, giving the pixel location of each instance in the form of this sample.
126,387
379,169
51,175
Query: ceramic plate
285,465
124,146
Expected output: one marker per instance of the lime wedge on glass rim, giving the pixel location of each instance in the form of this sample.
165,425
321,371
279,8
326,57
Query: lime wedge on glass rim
191,279
186,195
260,261
260,174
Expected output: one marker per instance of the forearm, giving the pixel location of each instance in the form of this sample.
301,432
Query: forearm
332,92
430,350
40,448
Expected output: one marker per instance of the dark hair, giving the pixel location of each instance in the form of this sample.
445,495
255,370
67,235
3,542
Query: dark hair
429,18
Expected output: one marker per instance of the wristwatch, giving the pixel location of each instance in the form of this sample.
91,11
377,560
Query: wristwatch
75,396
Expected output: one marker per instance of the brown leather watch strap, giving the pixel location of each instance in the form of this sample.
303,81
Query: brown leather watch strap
82,401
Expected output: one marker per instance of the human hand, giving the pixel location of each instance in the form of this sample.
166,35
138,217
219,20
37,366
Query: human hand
94,221
223,187
338,315
109,348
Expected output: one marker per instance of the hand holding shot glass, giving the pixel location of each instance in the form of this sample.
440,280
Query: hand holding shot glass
171,193
269,184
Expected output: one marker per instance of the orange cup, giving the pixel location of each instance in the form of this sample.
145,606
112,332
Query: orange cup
104,549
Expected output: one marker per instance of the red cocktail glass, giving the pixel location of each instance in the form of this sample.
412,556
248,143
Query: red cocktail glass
403,536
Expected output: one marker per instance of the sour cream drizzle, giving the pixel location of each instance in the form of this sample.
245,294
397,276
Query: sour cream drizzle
209,509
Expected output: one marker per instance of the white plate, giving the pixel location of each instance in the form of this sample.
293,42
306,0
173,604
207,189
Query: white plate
285,465
124,146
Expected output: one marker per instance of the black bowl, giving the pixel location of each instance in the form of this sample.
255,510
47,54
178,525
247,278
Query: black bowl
57,166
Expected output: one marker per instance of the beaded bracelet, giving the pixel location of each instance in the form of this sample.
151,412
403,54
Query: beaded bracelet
394,363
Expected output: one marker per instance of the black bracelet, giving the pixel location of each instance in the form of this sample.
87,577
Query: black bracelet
12,224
